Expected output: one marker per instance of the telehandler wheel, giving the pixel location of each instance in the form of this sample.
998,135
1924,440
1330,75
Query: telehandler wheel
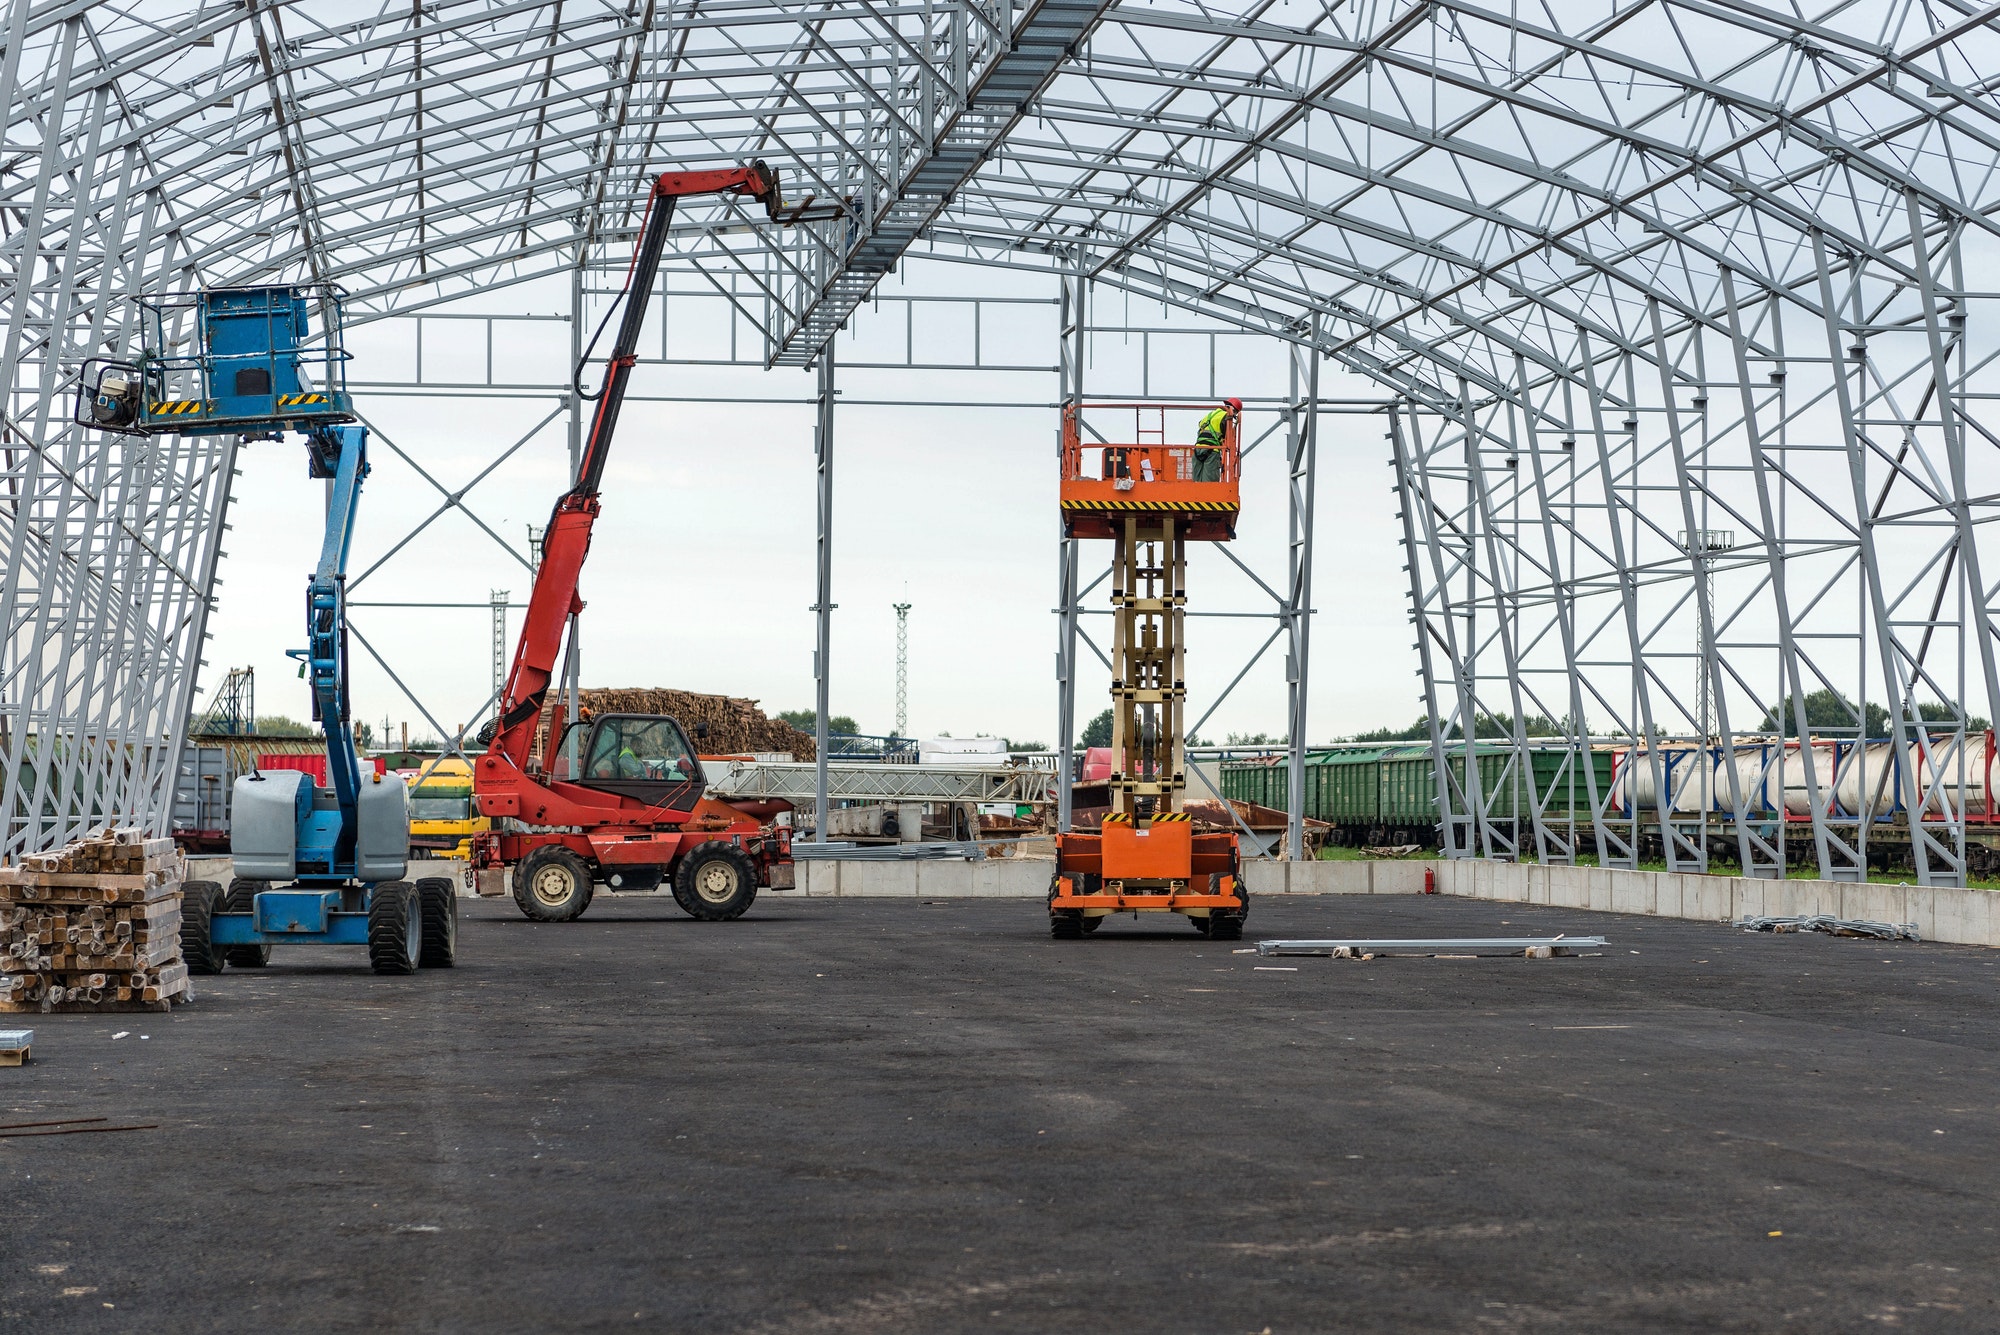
716,882
552,884
437,900
395,928
199,901
1066,924
242,898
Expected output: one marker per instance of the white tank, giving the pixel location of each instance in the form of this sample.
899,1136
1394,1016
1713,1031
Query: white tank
1964,790
1867,779
1790,771
1701,774
1633,779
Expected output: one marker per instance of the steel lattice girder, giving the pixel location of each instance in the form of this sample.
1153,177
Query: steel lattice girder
1637,272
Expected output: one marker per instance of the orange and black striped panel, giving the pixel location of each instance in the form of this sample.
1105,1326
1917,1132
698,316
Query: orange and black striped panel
1201,507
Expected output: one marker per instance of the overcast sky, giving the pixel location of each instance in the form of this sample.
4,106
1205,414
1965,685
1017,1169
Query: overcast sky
701,575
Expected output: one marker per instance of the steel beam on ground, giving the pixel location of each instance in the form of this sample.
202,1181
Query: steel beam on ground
854,781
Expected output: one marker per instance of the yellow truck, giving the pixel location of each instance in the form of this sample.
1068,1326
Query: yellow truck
442,819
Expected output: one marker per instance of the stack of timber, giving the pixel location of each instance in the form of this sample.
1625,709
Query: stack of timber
94,926
735,727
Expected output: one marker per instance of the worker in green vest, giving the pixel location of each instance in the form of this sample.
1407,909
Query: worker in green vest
1208,439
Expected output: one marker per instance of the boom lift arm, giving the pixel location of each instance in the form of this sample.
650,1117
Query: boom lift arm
341,454
566,541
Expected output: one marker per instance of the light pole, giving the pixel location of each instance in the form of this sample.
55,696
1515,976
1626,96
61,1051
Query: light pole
1701,544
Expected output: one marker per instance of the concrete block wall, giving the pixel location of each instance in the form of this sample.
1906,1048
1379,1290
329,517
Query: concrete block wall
993,878
1941,913
1028,878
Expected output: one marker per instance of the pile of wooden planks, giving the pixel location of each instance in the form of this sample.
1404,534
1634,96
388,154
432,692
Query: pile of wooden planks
94,926
735,727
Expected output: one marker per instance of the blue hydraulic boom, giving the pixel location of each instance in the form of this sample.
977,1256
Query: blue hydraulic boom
314,864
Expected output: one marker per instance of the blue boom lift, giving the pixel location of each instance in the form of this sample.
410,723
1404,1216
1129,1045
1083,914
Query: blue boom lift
336,855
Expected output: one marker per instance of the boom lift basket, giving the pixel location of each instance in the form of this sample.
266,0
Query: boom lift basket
258,366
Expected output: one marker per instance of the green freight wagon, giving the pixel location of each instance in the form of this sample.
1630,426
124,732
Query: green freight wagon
1567,792
1263,781
1408,788
1508,788
1371,793
1342,787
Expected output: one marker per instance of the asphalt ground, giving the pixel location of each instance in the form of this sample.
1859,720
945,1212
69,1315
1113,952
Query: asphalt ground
897,1116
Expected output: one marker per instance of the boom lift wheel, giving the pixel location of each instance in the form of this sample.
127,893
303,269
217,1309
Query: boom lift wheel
242,898
395,928
1091,924
552,884
199,902
437,900
716,882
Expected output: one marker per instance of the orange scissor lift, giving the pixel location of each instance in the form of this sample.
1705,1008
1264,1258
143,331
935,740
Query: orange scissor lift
1145,856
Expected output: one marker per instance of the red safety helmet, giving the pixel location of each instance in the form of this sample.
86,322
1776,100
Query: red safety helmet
1234,405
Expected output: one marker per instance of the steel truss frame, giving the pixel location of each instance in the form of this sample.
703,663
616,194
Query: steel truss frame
1636,274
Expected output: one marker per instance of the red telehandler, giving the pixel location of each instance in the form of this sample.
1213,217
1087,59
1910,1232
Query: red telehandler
637,811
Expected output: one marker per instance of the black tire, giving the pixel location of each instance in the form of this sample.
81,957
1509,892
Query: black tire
1066,924
242,898
716,882
199,902
1200,925
552,884
1091,924
395,928
1227,924
437,900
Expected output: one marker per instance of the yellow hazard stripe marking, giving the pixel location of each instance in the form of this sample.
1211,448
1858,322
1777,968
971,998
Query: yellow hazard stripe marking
1117,818
177,407
1190,506
1172,815
292,400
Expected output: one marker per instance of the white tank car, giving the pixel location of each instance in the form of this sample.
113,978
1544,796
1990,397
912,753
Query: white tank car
1697,778
1867,776
1797,770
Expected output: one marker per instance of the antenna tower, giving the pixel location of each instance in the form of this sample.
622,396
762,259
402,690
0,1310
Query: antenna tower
902,668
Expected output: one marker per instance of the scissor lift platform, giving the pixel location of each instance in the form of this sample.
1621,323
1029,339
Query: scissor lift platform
1104,484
